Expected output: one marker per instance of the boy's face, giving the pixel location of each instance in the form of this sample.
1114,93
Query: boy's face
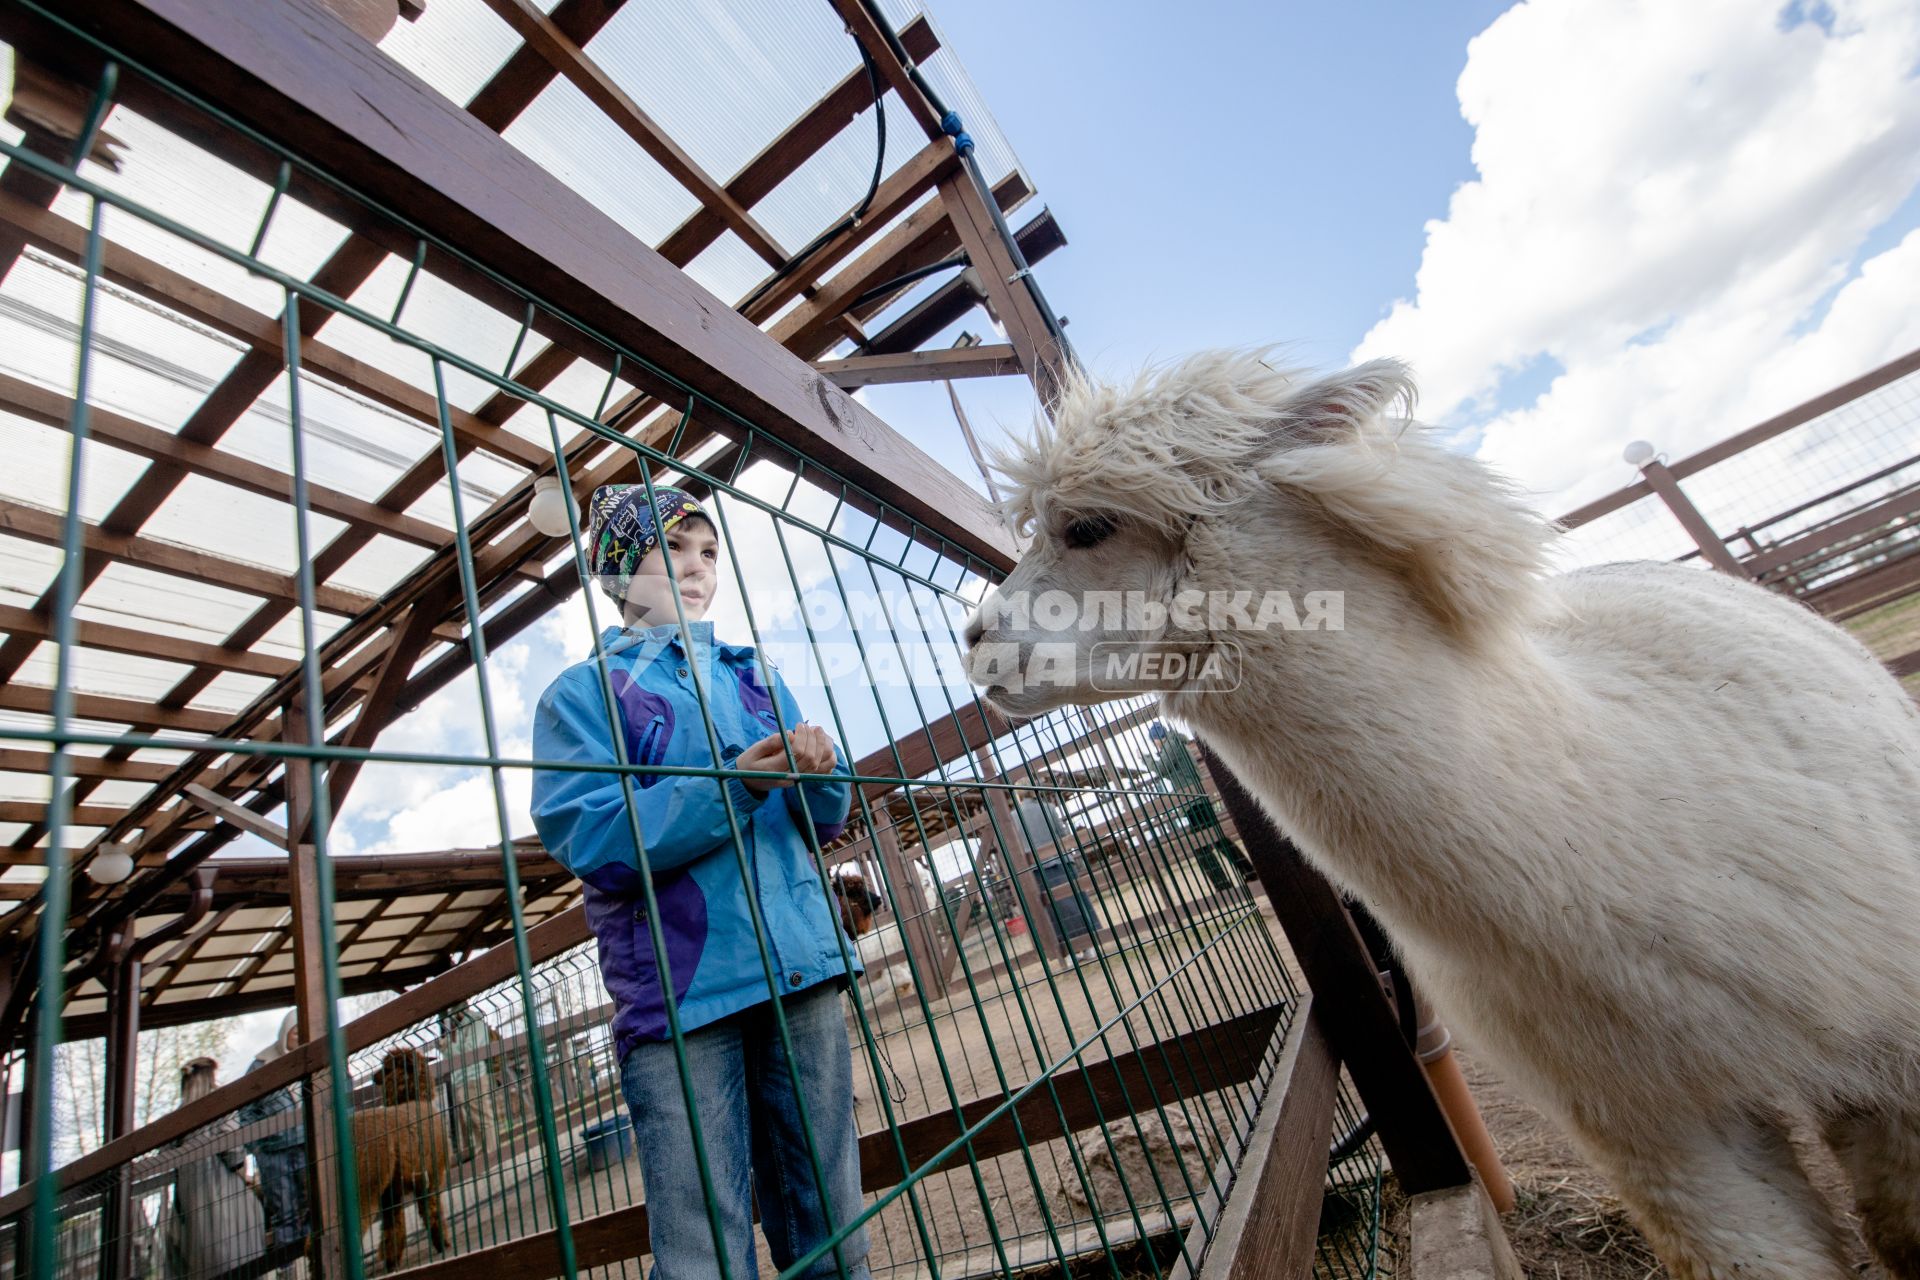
695,550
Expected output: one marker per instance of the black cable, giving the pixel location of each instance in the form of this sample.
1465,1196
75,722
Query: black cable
813,246
908,277
962,144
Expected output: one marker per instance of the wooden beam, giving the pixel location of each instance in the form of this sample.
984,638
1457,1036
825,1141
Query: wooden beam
598,87
499,101
1662,482
353,110
861,24
1359,1022
1085,1095
1011,300
1863,525
79,766
922,750
15,696
381,706
48,528
922,366
1269,1225
81,815
511,89
184,1012
1740,442
954,299
67,240
236,814
1883,583
923,236
897,193
145,644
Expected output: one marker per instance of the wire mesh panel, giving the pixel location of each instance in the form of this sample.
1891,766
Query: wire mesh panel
1853,456
1822,504
1060,1000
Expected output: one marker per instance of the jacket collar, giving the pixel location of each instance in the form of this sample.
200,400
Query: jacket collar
648,643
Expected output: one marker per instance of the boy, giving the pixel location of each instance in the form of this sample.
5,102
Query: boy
743,1089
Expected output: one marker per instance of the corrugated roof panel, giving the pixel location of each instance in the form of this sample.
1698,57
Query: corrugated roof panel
570,138
120,675
38,458
235,524
27,569
436,312
352,444
728,269
455,46
170,174
376,567
232,691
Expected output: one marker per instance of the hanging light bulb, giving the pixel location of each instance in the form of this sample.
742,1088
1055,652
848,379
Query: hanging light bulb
110,866
1638,454
547,510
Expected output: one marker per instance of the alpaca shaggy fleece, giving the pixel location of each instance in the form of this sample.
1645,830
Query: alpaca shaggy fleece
1648,834
402,1154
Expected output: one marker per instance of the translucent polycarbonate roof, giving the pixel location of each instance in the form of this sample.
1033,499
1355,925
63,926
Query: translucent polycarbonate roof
189,614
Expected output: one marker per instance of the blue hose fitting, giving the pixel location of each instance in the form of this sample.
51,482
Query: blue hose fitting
951,125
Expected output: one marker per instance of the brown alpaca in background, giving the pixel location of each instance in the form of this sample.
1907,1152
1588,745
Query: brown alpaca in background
402,1153
857,902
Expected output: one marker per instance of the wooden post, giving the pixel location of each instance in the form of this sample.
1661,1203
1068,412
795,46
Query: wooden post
311,1007
1020,860
1662,481
1039,355
910,908
1359,1022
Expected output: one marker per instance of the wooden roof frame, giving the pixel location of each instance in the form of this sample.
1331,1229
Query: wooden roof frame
335,99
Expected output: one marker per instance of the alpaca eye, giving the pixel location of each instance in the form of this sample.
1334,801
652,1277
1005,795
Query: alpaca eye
1089,531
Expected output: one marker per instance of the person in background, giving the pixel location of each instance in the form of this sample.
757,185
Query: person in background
1043,825
1173,762
216,1223
464,1042
280,1157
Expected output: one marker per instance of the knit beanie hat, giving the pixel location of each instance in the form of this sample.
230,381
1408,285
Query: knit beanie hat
624,527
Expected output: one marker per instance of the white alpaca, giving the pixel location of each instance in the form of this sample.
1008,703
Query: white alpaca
1650,836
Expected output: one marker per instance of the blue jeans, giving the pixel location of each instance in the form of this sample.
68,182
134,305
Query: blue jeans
754,1142
283,1193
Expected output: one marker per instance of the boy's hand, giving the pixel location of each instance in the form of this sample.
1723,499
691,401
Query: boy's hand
812,753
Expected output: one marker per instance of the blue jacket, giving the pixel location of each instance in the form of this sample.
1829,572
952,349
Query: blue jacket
711,948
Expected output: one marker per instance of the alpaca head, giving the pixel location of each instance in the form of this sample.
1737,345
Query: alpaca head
404,1075
1153,506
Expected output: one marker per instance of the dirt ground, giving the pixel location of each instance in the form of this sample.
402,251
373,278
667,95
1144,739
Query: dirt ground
1568,1225
1215,966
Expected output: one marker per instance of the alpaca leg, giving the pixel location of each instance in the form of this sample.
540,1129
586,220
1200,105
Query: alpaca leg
393,1226
436,1217
1725,1201
1881,1153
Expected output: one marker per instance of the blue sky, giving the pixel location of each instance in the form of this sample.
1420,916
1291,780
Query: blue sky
1220,178
1634,177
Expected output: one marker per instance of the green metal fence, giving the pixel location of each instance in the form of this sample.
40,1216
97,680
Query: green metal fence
1061,1043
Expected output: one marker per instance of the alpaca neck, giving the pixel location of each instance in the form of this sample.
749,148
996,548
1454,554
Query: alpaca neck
1363,744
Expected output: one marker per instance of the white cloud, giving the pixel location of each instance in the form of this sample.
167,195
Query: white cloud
1666,194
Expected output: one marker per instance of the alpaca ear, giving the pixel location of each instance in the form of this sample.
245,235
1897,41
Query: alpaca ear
1343,405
